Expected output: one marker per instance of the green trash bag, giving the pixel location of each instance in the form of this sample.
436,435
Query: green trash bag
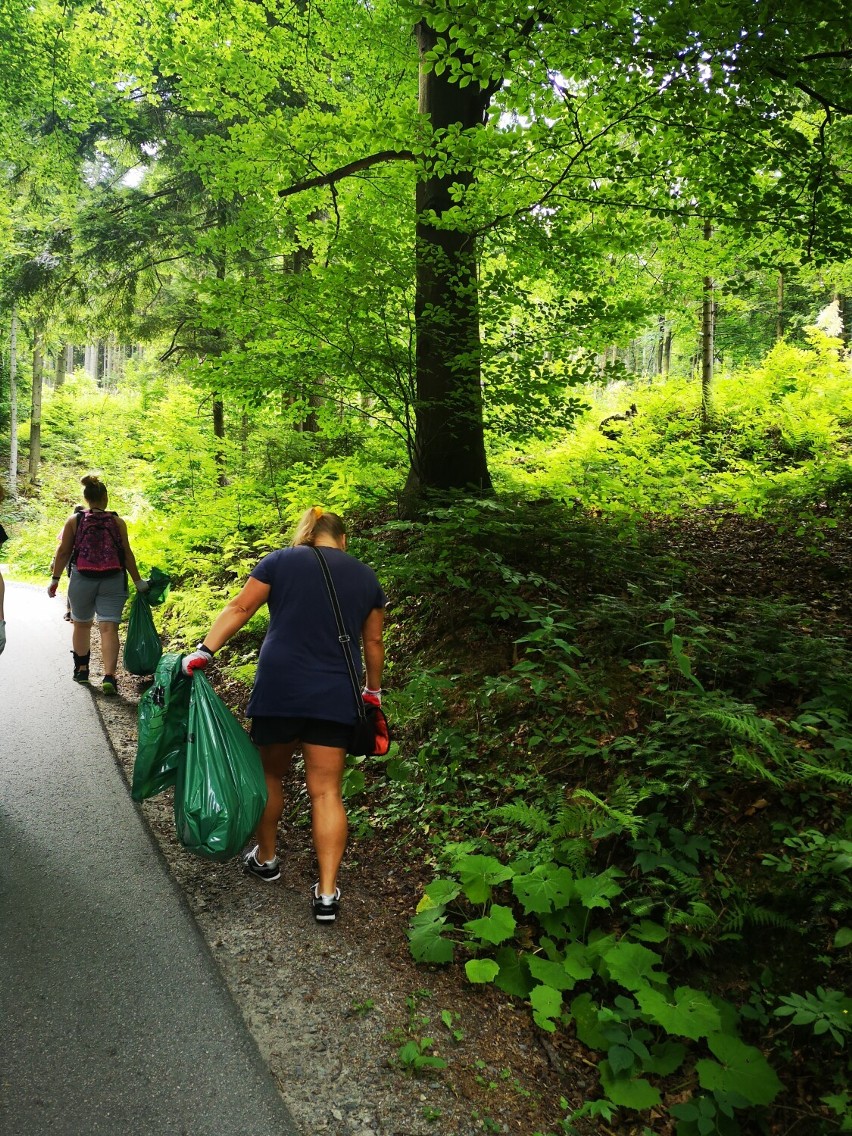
220,791
159,586
142,647
163,728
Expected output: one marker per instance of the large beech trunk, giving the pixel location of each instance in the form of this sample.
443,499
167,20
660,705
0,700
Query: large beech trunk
449,442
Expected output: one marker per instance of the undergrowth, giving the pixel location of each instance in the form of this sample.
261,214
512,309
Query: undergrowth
623,750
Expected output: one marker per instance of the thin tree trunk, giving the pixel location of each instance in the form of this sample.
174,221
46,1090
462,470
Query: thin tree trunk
843,312
667,354
13,405
779,307
448,448
707,343
35,410
69,358
61,363
661,342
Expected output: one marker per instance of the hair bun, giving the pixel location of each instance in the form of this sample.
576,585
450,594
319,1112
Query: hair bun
90,479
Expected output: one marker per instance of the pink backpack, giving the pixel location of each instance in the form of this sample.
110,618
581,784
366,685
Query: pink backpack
98,550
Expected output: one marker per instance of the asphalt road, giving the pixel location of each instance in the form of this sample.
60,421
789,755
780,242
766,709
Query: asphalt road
114,1018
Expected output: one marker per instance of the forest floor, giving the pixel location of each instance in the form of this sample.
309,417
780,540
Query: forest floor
332,1007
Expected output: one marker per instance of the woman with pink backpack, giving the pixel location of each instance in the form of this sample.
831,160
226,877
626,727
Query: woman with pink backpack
95,543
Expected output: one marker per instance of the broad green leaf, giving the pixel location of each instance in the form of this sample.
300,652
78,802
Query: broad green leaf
481,970
424,937
547,1005
479,874
628,1092
632,965
496,927
843,937
576,962
665,1058
546,888
441,892
686,1013
621,1059
648,931
584,1012
597,891
514,976
550,973
743,1070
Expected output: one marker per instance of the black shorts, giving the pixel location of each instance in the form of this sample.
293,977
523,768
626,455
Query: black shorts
314,731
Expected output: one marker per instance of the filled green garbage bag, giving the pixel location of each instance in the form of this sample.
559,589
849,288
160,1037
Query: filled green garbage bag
163,721
220,791
159,586
142,647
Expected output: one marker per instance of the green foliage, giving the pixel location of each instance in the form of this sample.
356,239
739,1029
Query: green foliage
632,780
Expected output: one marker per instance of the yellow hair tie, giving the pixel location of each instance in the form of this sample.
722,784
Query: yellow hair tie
317,512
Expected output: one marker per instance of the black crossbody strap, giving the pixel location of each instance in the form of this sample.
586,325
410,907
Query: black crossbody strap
343,638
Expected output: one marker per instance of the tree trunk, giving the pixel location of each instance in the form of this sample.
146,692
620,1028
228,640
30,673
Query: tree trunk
707,343
843,311
13,405
779,307
667,354
35,411
61,364
661,343
448,450
219,435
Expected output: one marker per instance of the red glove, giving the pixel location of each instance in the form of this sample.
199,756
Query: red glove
197,660
372,696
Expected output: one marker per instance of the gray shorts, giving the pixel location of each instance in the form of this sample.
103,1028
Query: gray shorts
89,597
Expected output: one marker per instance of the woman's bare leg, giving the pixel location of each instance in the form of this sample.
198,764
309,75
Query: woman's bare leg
109,646
329,826
81,637
276,765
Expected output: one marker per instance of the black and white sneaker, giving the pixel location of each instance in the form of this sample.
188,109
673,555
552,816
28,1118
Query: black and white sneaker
325,910
269,870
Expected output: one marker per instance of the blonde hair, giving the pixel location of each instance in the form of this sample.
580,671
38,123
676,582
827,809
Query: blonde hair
93,488
313,523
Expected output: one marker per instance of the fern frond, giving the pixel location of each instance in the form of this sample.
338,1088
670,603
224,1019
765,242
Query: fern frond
825,773
750,763
757,916
625,797
526,817
574,820
749,727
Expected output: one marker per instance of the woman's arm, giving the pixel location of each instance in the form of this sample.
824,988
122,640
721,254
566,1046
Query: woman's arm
64,548
2,597
237,613
372,638
129,558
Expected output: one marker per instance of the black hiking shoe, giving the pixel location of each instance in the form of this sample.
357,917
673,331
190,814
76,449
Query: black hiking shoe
81,666
269,871
109,684
325,911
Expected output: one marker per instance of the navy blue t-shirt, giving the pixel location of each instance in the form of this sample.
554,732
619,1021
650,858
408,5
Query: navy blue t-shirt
302,671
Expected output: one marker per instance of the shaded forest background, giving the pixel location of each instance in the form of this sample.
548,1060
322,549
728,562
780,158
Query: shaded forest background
555,311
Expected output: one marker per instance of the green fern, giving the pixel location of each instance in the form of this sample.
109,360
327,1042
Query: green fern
526,817
756,915
825,773
749,727
749,763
